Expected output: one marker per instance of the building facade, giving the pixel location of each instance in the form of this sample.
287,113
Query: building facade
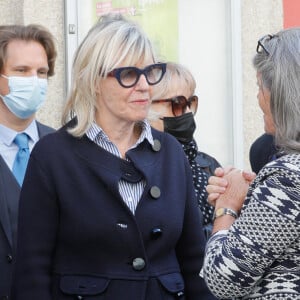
216,40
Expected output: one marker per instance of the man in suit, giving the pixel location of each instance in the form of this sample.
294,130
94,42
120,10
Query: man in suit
27,58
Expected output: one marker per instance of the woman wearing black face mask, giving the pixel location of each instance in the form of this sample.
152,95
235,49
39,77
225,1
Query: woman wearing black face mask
173,108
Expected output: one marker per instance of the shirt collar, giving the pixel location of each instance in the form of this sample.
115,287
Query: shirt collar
7,135
146,133
95,131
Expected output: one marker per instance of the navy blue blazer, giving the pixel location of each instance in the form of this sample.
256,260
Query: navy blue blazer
79,240
262,151
9,199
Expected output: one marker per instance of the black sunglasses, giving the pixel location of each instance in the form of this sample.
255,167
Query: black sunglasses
129,76
261,44
180,104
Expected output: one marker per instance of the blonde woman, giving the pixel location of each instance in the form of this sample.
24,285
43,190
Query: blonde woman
105,213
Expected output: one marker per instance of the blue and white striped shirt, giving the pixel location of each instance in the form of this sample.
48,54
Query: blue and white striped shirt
130,192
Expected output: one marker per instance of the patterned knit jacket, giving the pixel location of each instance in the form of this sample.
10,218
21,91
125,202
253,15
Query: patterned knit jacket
259,257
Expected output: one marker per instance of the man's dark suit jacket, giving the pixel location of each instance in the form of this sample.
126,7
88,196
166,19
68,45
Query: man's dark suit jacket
9,199
262,151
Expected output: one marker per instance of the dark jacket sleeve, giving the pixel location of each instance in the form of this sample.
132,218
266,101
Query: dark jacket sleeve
189,253
207,163
261,152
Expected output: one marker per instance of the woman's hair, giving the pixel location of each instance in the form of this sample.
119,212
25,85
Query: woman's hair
112,41
175,73
28,33
279,66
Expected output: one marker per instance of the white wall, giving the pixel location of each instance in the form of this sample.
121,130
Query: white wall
205,47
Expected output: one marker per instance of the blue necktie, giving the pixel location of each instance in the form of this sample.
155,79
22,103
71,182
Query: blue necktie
22,157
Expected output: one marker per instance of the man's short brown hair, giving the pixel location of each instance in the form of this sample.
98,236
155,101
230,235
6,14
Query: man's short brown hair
30,32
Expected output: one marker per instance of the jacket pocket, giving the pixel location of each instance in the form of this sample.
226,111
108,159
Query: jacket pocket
173,283
83,285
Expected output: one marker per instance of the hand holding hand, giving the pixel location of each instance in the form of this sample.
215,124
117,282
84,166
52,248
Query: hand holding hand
217,184
235,192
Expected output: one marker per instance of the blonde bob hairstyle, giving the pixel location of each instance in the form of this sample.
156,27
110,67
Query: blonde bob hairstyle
176,74
113,41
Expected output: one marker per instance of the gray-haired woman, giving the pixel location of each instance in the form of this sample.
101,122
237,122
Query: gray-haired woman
254,252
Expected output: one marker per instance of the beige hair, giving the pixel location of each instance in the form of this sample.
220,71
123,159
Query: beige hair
174,71
111,41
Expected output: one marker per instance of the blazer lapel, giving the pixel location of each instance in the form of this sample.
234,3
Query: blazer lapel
9,193
43,129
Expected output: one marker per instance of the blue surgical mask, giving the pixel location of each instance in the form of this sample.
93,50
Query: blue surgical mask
26,95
